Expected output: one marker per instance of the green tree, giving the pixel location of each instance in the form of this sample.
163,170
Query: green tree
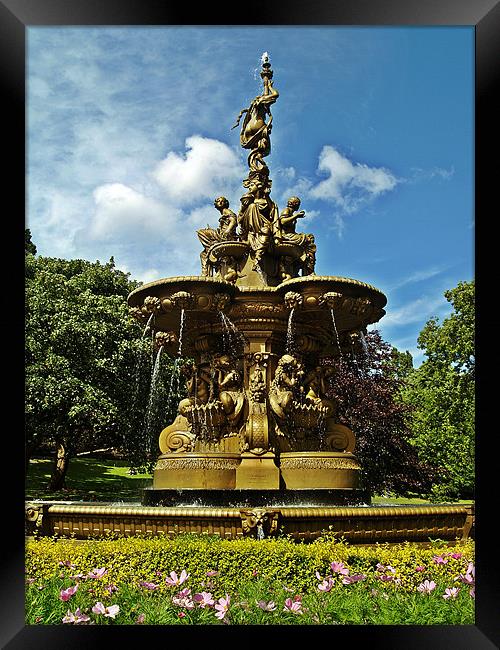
88,367
29,246
441,394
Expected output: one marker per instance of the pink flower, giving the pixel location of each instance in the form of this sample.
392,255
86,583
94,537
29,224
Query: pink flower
204,599
348,580
111,589
222,607
255,573
110,611
451,593
176,581
419,568
181,614
67,563
266,607
456,556
97,573
294,605
470,576
385,578
140,619
183,599
439,559
151,586
384,569
472,592
76,618
66,594
338,567
211,574
326,584
427,586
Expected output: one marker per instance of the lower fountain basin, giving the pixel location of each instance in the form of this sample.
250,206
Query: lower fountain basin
357,525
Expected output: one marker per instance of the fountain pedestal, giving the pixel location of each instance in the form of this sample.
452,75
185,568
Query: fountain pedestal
258,472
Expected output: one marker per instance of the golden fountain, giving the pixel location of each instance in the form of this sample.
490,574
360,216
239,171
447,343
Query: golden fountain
257,323
255,446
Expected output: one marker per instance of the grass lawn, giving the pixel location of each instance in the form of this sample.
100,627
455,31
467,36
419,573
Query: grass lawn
94,479
88,479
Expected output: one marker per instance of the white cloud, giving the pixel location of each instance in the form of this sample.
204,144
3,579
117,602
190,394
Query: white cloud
350,184
419,310
419,276
122,213
207,167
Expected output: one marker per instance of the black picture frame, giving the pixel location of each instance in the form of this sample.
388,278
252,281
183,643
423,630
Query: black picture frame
484,15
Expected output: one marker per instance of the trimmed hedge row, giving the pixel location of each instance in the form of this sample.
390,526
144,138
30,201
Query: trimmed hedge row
280,560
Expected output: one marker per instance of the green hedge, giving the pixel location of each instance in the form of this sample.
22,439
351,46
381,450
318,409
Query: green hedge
280,560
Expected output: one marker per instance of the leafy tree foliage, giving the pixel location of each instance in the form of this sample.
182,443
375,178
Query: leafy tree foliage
367,390
88,367
441,396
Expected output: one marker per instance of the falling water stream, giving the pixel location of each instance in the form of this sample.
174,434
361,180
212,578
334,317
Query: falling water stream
336,331
153,395
364,343
175,377
232,338
289,333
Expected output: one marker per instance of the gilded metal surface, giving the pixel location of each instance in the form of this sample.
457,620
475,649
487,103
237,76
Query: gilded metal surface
357,525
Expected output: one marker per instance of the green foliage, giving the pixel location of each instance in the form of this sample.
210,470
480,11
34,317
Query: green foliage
88,368
249,571
441,394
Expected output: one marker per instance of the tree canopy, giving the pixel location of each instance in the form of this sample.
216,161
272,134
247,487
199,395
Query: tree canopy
366,388
85,357
441,396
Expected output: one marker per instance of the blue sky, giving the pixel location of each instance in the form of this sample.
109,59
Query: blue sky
129,140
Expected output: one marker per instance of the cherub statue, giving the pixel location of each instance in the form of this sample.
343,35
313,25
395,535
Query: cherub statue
316,387
228,382
198,384
284,231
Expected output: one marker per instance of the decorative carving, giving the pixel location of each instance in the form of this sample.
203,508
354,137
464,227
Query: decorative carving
182,299
331,299
220,301
338,437
260,522
293,300
285,385
137,313
203,463
316,387
164,339
177,437
322,462
152,304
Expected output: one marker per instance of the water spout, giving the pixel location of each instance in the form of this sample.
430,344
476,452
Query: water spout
260,531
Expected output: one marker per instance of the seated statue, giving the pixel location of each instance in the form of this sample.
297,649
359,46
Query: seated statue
228,382
210,236
198,385
284,231
316,387
285,385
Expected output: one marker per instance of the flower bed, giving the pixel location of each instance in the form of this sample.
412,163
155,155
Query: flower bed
206,580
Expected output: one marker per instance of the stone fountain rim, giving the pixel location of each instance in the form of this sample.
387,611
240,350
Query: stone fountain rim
247,289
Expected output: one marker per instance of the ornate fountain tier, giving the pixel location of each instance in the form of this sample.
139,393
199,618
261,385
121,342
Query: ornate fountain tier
314,299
